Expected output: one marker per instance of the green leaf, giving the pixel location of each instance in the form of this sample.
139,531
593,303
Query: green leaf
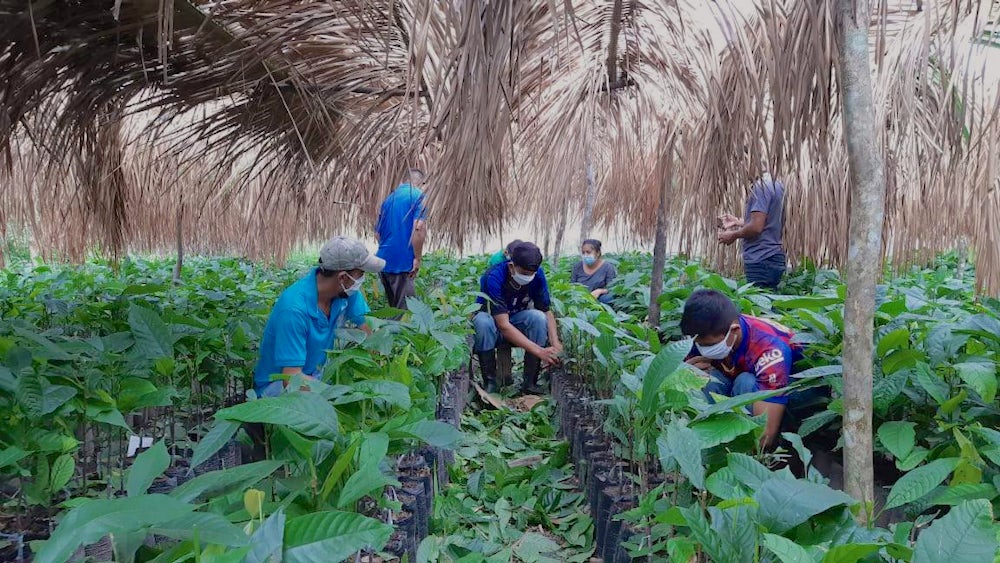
898,437
931,383
421,314
47,350
966,534
368,478
981,377
724,484
211,528
737,402
680,444
396,394
748,470
338,469
917,483
29,394
55,396
268,541
806,302
152,336
305,413
61,472
11,456
434,432
722,428
535,547
332,536
786,503
148,465
107,415
220,435
363,482
665,363
916,457
850,553
817,421
899,338
786,550
900,360
241,476
957,494
90,522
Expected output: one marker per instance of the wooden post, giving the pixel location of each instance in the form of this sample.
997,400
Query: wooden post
864,258
180,241
588,206
659,261
560,230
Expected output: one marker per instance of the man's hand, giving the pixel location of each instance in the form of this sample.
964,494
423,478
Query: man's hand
549,356
700,362
416,268
598,292
728,221
727,237
767,442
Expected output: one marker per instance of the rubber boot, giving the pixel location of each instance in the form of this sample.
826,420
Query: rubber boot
529,384
488,363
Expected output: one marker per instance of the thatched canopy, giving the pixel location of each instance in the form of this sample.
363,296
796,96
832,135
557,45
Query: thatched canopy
259,124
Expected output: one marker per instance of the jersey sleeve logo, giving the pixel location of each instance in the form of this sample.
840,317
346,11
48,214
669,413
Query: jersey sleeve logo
768,359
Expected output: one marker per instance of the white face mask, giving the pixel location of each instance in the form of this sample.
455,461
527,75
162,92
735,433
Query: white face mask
717,351
356,286
522,279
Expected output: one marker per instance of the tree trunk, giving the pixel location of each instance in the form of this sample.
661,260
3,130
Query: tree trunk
559,236
659,260
864,259
588,206
180,242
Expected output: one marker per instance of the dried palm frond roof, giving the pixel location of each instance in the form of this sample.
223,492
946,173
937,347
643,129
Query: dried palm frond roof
291,120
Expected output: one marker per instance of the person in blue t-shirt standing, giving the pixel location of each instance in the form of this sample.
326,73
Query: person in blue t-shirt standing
304,321
401,231
511,288
764,258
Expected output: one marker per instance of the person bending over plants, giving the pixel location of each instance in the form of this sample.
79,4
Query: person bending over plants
511,288
303,324
741,354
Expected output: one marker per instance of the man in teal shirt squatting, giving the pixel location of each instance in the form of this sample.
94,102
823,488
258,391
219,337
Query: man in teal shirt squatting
401,230
304,321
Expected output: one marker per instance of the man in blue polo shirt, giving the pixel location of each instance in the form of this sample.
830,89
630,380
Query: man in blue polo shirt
401,231
511,287
304,321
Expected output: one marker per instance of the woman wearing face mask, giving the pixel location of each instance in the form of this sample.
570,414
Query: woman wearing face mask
303,324
593,271
742,354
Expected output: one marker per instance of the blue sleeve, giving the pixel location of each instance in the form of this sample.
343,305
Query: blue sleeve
493,288
760,198
381,223
539,292
291,330
357,308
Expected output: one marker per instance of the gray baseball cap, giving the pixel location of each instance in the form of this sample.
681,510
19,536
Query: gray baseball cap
344,253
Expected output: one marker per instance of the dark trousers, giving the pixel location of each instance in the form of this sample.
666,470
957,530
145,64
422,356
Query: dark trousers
397,288
766,273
